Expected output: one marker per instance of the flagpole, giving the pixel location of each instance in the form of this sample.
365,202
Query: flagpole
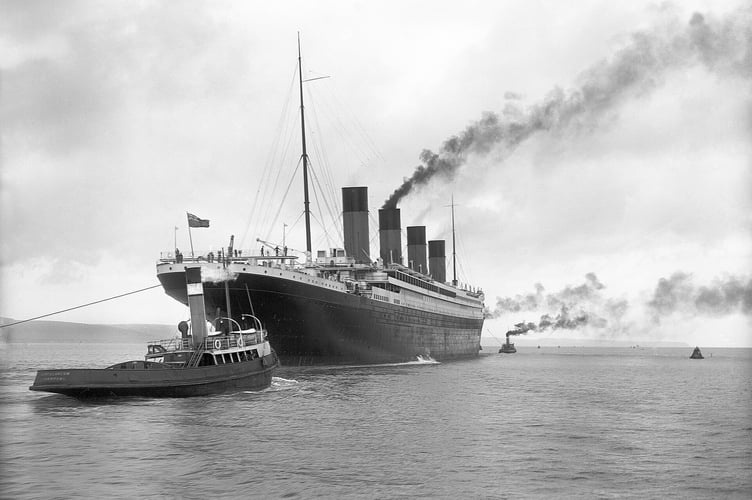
176,237
189,233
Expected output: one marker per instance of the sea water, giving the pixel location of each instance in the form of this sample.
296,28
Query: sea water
541,423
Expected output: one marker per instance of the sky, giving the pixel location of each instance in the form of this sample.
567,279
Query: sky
603,160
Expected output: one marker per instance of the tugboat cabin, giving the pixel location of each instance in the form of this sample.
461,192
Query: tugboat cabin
235,346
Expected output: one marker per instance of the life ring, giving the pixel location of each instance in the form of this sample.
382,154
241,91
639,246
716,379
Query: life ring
217,344
240,341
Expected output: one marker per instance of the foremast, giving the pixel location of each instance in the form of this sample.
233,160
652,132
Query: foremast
306,201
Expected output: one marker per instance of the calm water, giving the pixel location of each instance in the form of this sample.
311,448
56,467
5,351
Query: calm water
546,423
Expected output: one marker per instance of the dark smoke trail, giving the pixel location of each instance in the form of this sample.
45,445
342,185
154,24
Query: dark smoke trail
570,297
586,304
522,328
723,46
678,294
576,306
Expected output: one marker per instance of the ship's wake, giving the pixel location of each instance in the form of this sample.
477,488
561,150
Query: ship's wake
279,384
423,360
419,360
282,383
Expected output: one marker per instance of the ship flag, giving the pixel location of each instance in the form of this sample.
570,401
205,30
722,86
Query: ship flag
194,221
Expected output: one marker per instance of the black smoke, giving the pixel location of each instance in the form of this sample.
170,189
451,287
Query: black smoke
679,294
574,306
569,296
720,45
522,328
587,305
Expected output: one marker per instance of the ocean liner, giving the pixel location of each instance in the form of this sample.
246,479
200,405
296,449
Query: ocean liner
342,307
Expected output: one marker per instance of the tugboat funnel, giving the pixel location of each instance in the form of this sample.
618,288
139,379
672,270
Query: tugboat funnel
195,290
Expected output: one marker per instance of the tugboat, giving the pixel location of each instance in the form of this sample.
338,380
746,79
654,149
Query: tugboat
198,363
696,354
508,347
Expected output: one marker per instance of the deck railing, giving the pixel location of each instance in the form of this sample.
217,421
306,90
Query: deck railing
217,342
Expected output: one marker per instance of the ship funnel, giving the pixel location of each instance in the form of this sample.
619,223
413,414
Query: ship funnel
437,260
416,249
355,222
195,290
389,236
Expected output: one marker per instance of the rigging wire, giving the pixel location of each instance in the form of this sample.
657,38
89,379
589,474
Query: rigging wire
320,219
323,178
494,336
349,133
79,307
334,216
321,152
267,206
280,147
281,202
268,201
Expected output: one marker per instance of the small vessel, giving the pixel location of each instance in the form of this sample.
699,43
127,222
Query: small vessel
696,354
200,362
508,347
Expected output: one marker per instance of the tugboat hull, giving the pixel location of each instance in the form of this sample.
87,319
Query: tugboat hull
149,379
507,349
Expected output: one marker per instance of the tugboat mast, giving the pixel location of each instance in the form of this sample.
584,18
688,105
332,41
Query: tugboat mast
306,202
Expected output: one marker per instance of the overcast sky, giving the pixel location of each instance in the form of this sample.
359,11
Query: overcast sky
635,165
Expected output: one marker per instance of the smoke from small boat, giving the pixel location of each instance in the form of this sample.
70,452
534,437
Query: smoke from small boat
720,45
721,296
588,305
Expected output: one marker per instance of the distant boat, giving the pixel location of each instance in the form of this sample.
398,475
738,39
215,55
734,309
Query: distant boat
508,347
198,363
696,354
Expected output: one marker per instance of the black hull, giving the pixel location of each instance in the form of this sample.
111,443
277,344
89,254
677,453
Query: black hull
312,324
169,382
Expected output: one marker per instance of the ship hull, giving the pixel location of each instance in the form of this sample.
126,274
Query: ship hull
150,382
309,323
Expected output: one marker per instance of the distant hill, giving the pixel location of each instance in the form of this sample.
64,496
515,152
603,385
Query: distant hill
61,331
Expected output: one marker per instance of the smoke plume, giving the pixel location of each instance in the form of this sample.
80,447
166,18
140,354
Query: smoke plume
586,305
570,308
723,46
679,294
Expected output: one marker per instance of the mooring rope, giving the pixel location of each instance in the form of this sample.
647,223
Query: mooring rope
79,307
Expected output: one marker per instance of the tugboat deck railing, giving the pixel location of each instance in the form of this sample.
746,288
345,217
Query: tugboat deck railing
214,342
